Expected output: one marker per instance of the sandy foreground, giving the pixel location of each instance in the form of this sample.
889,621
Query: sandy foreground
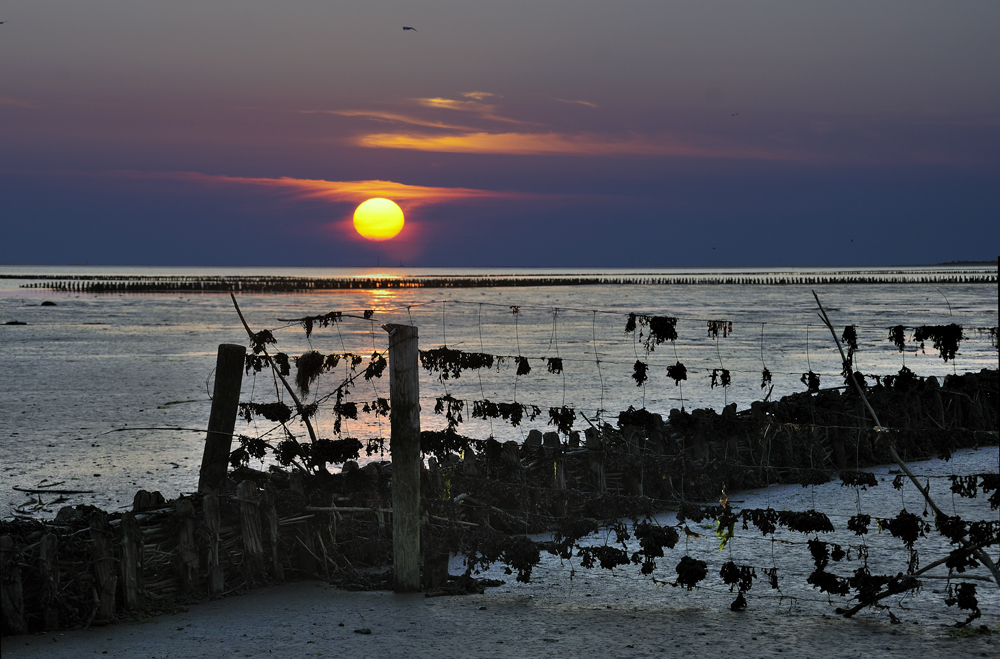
570,611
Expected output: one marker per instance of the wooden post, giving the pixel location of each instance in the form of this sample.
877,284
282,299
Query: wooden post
104,565
306,549
222,420
210,513
404,447
48,560
131,565
11,592
187,547
271,514
253,544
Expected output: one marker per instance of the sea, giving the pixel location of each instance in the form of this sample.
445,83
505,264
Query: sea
104,394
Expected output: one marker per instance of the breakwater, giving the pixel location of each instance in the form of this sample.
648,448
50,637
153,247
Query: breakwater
292,284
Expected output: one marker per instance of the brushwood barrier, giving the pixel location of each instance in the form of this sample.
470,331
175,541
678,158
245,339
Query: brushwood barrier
309,489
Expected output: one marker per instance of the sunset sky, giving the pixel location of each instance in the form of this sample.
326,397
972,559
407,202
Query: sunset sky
562,134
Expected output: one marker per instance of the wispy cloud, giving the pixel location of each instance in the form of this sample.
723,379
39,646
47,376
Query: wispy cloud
480,95
353,192
18,102
475,106
562,144
584,103
389,117
454,104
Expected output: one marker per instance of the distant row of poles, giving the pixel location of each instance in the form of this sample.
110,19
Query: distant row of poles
144,284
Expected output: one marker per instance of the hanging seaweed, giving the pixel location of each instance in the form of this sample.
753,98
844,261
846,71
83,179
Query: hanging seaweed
630,323
281,361
903,381
450,363
563,418
555,365
261,340
324,320
653,330
662,329
639,373
677,372
906,526
964,595
897,335
277,412
764,519
850,339
720,377
523,367
717,326
513,413
375,367
811,380
740,576
452,408
765,378
862,479
690,571
378,407
945,337
333,451
308,368
250,447
607,557
809,521
859,524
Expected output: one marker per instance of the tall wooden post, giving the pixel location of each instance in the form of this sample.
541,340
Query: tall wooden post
222,420
404,448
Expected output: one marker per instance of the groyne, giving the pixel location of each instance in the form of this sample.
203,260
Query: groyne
89,566
251,284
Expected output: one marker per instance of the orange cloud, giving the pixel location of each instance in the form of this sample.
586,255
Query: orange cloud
452,104
484,110
560,144
353,192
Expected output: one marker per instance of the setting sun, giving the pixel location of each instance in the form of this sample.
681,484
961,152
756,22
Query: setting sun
378,219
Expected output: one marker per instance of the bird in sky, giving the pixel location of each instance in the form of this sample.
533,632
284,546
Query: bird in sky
405,28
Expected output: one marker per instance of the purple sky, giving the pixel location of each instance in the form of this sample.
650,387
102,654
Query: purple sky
647,134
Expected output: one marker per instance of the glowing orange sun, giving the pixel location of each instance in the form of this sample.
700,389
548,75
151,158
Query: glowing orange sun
378,219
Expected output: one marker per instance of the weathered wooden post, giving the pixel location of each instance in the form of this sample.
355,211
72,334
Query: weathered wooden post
253,543
222,419
11,591
131,563
103,560
271,515
187,546
48,567
404,447
213,523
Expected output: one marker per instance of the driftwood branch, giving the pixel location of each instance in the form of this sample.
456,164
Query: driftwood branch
288,388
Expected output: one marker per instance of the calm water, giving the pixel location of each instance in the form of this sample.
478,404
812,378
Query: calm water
89,383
